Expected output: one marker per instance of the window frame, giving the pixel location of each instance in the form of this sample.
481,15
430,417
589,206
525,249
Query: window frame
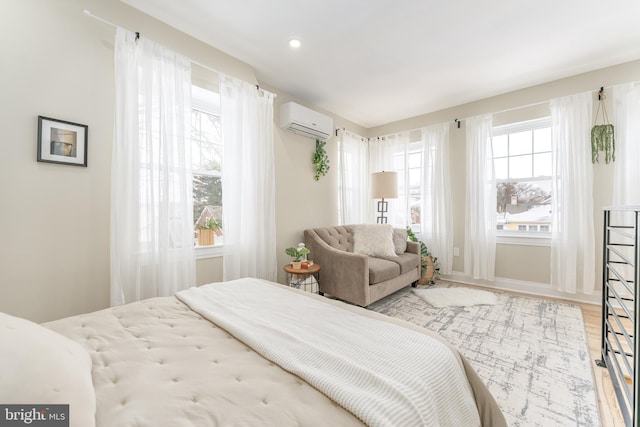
203,102
407,192
529,238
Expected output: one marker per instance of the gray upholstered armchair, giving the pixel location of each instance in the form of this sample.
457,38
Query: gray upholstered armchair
357,278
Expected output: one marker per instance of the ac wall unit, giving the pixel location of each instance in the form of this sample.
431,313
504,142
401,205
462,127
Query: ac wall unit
304,121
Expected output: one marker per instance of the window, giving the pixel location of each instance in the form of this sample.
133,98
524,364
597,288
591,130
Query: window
415,186
206,165
522,161
408,164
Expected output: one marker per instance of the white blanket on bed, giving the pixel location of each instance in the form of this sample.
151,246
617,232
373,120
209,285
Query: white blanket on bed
384,374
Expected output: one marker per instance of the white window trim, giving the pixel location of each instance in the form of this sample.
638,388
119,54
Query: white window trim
204,252
524,239
202,102
534,124
538,238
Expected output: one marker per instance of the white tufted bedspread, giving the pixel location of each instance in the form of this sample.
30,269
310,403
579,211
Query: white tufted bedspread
366,365
157,363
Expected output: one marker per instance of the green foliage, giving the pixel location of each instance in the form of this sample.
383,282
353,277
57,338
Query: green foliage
207,191
602,139
297,253
424,253
211,224
320,160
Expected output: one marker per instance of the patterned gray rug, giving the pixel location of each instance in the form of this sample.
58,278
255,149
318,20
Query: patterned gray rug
531,353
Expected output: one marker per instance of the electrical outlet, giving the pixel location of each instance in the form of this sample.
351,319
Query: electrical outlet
456,251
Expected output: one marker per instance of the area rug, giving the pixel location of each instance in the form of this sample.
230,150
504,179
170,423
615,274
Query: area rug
532,354
454,296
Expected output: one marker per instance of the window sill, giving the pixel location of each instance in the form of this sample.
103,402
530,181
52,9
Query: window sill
524,239
204,252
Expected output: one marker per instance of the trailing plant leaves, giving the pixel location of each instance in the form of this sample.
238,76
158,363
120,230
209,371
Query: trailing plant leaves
602,139
320,160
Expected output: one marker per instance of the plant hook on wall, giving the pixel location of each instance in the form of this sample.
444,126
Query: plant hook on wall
320,160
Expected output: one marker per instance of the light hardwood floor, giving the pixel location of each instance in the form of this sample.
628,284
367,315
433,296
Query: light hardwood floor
609,410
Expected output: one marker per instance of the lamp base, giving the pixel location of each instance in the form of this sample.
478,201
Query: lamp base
382,208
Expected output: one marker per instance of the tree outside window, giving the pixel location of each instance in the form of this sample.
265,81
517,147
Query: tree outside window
522,161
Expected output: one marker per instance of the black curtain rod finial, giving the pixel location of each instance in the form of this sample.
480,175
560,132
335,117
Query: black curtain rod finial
457,122
137,36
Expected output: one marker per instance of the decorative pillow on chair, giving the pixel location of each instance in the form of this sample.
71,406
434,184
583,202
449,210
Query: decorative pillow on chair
40,366
374,240
400,240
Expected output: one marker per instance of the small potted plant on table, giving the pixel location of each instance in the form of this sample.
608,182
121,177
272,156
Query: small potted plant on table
297,254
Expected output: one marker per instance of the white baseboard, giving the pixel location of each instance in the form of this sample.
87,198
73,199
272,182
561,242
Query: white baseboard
531,288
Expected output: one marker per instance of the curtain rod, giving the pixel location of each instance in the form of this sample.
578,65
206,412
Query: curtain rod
600,91
104,21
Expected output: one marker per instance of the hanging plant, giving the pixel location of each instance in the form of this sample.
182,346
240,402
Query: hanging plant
602,137
320,160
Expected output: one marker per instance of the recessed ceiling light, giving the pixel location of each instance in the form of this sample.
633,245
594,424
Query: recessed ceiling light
295,43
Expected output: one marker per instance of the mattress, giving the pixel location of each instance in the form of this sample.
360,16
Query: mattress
158,363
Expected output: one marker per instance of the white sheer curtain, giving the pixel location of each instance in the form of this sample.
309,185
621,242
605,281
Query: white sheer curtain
436,219
390,153
248,181
354,199
151,218
480,209
626,173
572,234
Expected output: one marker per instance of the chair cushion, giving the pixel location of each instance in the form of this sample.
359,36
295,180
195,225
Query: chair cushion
407,261
381,270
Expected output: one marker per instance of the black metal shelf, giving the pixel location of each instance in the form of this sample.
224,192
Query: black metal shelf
620,349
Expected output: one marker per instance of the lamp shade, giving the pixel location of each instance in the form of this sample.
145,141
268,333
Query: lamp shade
384,185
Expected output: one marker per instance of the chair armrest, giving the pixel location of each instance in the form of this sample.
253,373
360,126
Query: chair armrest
413,247
344,275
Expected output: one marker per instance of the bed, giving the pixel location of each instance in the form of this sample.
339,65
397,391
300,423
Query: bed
241,353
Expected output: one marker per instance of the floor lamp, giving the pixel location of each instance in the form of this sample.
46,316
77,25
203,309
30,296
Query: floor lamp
384,185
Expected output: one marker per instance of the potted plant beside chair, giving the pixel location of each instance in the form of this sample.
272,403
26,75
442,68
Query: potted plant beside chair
207,232
429,266
297,254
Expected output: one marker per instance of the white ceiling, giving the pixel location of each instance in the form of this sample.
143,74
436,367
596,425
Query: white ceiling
378,61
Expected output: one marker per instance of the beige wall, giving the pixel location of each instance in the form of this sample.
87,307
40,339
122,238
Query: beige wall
302,202
520,267
54,219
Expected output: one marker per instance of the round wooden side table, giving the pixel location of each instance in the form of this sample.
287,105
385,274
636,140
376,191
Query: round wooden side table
307,279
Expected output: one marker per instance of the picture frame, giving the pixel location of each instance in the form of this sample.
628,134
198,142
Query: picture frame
62,142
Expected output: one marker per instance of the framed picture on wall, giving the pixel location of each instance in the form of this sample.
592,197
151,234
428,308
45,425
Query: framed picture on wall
62,142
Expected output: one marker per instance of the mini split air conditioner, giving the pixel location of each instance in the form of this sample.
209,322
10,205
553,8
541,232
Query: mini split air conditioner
304,121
